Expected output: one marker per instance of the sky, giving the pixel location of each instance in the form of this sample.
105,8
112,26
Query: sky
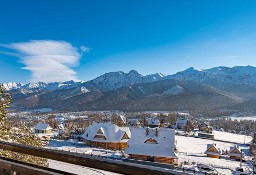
61,40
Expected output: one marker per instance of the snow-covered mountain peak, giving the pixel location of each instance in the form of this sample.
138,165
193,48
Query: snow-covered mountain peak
115,80
41,85
12,85
236,74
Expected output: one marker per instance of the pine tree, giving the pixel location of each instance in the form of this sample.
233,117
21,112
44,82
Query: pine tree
22,135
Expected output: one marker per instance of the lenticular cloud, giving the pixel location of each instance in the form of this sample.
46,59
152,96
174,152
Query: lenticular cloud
48,60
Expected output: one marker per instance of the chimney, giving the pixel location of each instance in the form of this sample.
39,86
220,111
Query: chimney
147,131
157,132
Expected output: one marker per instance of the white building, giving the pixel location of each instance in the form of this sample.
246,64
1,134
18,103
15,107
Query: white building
42,128
44,131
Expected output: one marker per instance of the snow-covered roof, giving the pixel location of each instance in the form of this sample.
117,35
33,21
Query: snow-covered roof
181,122
204,122
123,118
235,151
153,121
42,126
133,122
217,152
163,145
112,132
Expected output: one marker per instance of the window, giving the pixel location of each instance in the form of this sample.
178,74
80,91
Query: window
125,136
100,131
151,141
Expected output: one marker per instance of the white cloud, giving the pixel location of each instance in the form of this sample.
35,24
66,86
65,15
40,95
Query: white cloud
85,49
49,60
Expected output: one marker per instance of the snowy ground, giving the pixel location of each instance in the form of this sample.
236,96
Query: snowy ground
192,150
69,145
75,169
225,136
78,147
243,118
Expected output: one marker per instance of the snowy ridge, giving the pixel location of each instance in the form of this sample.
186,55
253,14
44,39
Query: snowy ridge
41,86
237,75
115,80
12,85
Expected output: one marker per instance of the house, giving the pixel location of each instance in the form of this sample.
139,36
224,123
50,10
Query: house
60,119
107,136
204,126
153,122
181,123
133,122
213,151
43,131
43,128
152,144
235,153
119,120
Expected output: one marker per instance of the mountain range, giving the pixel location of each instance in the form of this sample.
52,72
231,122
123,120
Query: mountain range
215,91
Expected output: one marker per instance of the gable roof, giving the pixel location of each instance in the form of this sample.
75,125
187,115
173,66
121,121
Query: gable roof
153,121
213,146
181,122
42,126
233,149
165,142
133,121
204,123
112,132
123,118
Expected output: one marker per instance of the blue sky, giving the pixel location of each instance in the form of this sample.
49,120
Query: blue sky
119,35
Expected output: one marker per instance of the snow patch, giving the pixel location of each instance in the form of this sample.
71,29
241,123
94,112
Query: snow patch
175,90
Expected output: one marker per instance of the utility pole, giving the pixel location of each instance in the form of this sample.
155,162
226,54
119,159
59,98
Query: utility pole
241,158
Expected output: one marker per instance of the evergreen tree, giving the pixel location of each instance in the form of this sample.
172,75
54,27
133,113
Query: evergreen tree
22,135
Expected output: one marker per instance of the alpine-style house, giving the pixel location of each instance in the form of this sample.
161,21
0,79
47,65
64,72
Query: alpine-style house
152,144
213,151
107,136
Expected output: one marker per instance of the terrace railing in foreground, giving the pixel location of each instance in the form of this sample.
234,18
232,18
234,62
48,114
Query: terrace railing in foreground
12,167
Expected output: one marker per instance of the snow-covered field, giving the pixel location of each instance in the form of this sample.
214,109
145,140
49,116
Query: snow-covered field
192,150
226,136
243,118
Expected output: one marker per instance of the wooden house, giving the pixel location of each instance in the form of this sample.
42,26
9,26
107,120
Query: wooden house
235,153
213,151
152,144
107,136
119,120
204,126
